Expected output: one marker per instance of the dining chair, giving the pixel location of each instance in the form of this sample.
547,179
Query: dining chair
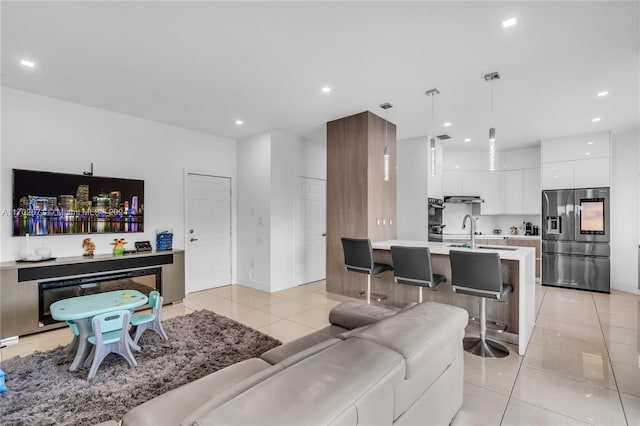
358,257
149,321
110,335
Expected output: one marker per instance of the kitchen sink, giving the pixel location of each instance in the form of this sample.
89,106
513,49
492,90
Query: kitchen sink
483,247
498,248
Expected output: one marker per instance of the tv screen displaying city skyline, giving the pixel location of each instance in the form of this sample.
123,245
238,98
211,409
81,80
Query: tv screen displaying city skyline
48,203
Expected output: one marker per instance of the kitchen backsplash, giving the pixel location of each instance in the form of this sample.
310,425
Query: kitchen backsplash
454,214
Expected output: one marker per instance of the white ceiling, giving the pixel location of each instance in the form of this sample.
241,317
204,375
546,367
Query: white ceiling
202,65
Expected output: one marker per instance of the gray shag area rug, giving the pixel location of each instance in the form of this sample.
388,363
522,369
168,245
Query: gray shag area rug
42,391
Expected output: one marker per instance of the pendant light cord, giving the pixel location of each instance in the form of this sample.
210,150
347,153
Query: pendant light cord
433,113
493,115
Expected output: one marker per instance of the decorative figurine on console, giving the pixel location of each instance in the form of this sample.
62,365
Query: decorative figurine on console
88,247
118,246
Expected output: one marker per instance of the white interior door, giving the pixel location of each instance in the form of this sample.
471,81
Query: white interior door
310,229
208,242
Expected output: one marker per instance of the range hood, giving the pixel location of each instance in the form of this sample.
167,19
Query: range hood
463,199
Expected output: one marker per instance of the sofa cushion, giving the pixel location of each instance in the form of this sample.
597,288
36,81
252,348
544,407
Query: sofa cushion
171,407
353,314
316,390
418,333
282,352
249,382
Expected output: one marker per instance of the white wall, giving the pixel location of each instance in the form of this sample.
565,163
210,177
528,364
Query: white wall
284,159
268,165
254,211
625,210
412,216
41,133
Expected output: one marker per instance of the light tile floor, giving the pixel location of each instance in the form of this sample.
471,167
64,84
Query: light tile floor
582,365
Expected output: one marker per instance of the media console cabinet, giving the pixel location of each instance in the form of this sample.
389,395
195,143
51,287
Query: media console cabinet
28,288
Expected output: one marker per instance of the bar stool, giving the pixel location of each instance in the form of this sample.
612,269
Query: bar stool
358,257
412,266
480,275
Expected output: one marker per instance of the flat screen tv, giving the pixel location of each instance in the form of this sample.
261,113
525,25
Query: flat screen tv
47,203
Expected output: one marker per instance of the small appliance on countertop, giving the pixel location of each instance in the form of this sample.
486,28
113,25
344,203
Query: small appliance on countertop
528,228
142,246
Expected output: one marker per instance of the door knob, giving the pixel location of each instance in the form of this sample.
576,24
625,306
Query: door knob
324,234
193,239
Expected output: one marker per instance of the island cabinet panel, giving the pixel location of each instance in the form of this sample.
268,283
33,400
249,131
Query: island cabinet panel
360,202
399,294
521,242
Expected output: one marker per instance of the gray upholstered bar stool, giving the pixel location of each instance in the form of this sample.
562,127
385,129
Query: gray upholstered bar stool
358,257
480,274
412,266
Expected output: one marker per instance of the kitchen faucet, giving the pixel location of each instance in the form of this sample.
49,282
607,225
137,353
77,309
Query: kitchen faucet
472,231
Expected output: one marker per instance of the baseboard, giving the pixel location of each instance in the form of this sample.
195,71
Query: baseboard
13,340
627,288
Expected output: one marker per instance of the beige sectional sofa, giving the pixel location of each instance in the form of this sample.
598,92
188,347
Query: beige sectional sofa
371,366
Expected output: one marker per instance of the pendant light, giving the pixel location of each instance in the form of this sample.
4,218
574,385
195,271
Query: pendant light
432,140
385,155
492,130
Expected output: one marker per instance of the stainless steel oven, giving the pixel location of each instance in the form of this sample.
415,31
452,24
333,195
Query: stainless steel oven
436,207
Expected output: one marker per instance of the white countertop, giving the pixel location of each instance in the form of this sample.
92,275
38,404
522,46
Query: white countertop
493,236
505,252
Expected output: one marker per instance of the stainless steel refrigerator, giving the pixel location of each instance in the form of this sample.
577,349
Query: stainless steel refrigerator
575,239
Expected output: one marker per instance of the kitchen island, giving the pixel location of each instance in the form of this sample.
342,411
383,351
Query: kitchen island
518,269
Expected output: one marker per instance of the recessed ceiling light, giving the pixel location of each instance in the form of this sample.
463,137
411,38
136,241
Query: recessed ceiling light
509,22
595,119
326,89
447,124
587,153
456,166
590,143
603,93
239,122
467,140
556,177
554,168
27,63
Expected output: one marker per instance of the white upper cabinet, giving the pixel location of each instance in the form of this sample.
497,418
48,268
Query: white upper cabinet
576,162
505,190
579,147
558,175
514,195
471,160
452,182
591,173
493,192
518,159
531,191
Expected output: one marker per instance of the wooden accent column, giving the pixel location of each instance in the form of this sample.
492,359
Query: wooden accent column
360,203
